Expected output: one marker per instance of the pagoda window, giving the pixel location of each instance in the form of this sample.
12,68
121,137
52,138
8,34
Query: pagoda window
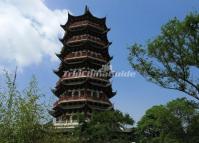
74,71
94,93
74,118
75,37
97,55
67,118
68,55
59,119
76,93
64,118
98,94
101,94
103,97
88,93
82,93
69,93
73,54
78,54
83,53
92,53
73,93
88,53
83,36
78,37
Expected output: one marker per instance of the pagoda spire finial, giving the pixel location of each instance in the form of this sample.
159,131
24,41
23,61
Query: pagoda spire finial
87,9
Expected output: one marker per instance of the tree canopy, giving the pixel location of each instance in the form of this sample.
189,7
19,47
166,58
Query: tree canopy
171,60
176,122
106,127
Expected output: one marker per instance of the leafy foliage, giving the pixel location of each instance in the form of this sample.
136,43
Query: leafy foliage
171,60
23,116
177,122
105,127
21,113
23,120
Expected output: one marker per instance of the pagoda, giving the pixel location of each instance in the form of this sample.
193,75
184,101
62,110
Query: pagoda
85,52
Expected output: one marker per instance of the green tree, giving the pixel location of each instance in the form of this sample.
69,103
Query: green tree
192,130
176,122
105,127
24,117
171,60
21,113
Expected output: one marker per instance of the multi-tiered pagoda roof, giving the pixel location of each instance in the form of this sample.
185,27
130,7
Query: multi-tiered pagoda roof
84,53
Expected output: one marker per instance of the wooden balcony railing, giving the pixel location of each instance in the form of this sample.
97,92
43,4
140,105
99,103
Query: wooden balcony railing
86,37
82,54
86,23
101,98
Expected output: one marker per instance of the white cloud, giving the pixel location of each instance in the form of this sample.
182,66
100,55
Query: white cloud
29,31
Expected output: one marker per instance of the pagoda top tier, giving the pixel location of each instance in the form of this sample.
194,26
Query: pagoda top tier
87,16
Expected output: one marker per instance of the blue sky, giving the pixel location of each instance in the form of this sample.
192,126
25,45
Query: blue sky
130,21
